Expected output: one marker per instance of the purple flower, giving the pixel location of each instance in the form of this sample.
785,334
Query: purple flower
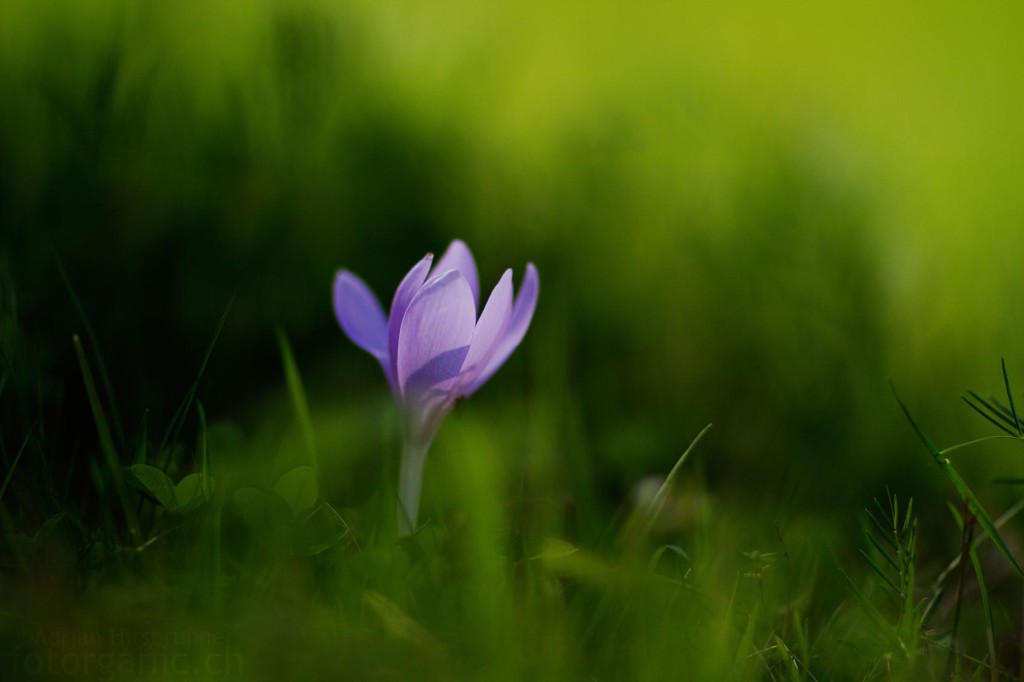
433,347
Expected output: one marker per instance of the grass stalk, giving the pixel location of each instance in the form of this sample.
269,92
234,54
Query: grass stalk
94,344
298,396
965,548
178,420
107,446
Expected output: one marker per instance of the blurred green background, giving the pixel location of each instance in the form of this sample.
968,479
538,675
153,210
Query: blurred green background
752,215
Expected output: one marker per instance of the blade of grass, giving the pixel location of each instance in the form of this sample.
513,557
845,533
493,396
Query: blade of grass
107,442
140,456
178,420
1009,397
953,661
976,441
883,532
965,492
891,560
883,625
204,454
1020,646
1004,410
97,354
929,610
639,526
788,657
996,409
908,571
881,574
106,517
803,642
990,627
746,642
348,529
298,396
213,527
908,517
979,540
14,464
974,660
986,416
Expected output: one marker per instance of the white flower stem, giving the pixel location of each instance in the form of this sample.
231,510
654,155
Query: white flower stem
410,482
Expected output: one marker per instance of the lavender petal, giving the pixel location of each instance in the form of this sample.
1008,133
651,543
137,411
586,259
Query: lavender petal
434,339
489,331
458,257
410,284
360,315
522,314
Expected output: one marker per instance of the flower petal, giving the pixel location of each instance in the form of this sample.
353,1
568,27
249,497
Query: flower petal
436,331
489,331
360,314
407,289
458,257
522,314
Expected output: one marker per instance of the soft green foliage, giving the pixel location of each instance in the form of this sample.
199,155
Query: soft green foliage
298,489
154,484
748,214
893,536
190,493
961,487
466,596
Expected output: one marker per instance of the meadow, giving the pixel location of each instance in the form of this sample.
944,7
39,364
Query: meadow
797,224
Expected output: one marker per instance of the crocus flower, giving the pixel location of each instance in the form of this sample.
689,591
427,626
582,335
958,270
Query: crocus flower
433,346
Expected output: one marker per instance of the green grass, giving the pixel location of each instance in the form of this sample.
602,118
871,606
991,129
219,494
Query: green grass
252,566
753,216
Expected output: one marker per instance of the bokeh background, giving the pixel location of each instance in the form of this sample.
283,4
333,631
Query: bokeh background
753,215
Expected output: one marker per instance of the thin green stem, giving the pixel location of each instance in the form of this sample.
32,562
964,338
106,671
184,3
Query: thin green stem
410,484
107,447
983,439
965,547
